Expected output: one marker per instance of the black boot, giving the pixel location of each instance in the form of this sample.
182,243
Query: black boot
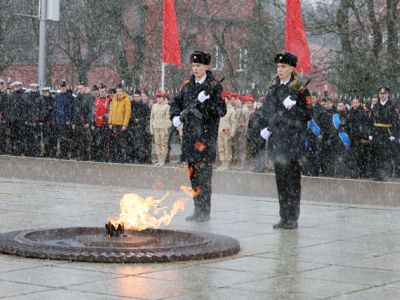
279,225
195,215
290,225
203,217
205,209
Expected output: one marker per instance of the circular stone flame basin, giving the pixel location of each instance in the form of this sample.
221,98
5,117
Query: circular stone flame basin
92,245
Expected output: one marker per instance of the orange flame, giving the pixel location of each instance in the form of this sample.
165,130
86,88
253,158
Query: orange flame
188,190
139,213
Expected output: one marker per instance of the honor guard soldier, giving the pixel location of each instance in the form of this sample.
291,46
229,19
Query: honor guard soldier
285,116
199,107
384,133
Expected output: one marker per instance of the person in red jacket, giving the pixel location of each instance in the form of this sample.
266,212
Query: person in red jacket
100,130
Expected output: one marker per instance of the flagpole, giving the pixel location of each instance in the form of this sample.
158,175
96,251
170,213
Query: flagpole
162,76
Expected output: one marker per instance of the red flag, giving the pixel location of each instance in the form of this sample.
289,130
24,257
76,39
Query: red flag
170,42
295,37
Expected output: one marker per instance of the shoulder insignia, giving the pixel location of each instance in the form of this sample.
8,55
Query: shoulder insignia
185,82
308,100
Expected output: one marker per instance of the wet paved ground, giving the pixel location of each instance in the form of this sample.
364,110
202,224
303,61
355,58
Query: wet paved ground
338,252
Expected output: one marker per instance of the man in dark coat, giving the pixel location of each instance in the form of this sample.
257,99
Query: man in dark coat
34,131
62,115
330,140
359,128
136,139
3,121
313,146
16,113
82,120
199,107
285,116
47,123
384,133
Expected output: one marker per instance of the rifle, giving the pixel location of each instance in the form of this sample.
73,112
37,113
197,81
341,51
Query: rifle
191,108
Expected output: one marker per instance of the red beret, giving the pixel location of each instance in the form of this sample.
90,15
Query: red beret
234,96
247,98
225,95
160,94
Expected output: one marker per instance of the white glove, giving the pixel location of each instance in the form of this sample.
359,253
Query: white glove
177,121
288,102
370,137
202,96
265,133
392,138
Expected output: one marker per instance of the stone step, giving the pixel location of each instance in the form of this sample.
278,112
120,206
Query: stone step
172,177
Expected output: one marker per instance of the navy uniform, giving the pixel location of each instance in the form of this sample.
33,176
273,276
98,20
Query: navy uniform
384,134
285,116
199,107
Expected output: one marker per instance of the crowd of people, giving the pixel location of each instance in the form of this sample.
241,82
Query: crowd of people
347,140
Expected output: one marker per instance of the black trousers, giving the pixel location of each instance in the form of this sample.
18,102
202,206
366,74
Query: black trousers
33,140
18,134
3,138
100,146
382,155
80,143
63,134
49,140
200,175
288,177
118,144
258,154
313,158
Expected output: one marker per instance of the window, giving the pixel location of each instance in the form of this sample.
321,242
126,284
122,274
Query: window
219,59
242,60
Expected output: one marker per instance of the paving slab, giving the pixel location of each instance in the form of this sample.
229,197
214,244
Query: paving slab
339,251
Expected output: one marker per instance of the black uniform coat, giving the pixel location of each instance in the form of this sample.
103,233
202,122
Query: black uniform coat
288,127
34,99
83,109
46,109
385,114
17,109
358,126
200,132
3,105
